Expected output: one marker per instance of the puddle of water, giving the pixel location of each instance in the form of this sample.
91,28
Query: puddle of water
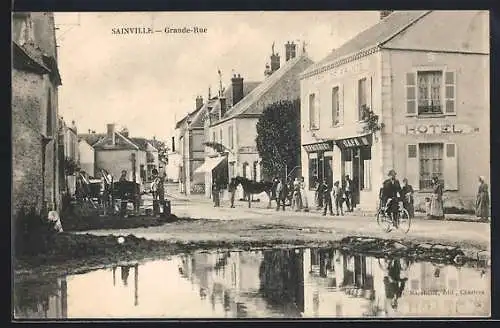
291,283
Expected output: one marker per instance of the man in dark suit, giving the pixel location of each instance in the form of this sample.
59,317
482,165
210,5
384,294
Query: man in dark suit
391,194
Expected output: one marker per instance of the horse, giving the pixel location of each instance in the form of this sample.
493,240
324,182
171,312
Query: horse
254,187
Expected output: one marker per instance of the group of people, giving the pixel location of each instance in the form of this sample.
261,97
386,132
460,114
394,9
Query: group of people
393,194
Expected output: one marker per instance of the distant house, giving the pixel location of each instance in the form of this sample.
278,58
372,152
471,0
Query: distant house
87,157
116,152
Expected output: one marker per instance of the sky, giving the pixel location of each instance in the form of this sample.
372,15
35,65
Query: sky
147,82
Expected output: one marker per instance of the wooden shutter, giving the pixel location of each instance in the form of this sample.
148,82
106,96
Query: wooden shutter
413,166
411,94
370,101
450,166
341,104
317,110
450,102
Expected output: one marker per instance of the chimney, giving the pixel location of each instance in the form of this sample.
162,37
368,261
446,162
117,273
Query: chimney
173,144
199,102
111,133
275,62
125,132
90,131
223,107
237,86
385,13
290,50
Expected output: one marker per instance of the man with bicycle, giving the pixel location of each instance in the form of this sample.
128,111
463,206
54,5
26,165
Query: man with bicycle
390,195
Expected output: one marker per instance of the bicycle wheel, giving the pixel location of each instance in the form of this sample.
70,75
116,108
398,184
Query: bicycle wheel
384,222
404,221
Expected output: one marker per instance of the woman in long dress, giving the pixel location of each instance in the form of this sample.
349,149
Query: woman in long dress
437,210
482,200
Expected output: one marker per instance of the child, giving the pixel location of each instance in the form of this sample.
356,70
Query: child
338,197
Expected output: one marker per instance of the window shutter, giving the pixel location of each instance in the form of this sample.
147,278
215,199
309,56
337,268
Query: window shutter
450,92
317,110
450,167
371,93
411,94
412,166
341,104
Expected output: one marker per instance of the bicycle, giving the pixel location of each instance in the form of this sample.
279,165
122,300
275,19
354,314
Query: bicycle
385,220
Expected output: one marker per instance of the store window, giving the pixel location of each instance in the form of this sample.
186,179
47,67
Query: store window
316,170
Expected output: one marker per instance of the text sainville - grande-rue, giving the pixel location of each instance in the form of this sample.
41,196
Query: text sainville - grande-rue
167,30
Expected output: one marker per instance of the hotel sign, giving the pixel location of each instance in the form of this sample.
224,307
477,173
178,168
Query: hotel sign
322,146
355,142
436,129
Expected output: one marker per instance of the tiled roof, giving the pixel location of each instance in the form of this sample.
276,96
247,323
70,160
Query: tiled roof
29,57
91,138
182,120
244,105
376,35
121,142
142,143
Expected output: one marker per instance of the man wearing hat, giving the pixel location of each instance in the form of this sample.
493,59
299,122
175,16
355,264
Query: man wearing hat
391,194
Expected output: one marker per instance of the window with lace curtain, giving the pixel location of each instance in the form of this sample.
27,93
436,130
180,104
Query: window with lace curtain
431,164
429,92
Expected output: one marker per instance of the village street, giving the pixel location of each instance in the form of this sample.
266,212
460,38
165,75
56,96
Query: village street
225,224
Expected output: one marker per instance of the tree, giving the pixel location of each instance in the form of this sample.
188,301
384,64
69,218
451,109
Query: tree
278,137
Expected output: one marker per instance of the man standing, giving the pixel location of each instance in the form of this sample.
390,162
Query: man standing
305,204
232,191
338,198
281,194
216,193
327,197
348,193
297,199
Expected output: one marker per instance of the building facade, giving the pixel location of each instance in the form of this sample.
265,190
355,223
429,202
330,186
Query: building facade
430,91
87,157
235,127
190,139
117,152
35,82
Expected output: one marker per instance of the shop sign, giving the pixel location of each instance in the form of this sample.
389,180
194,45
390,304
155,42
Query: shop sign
248,149
355,142
322,146
415,129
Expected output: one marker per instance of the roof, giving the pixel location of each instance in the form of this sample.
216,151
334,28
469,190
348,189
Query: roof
121,142
142,143
91,138
374,36
26,58
245,105
197,119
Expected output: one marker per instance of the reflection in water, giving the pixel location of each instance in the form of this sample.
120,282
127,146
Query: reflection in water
271,283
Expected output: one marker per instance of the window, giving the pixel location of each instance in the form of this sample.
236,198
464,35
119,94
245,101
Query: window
313,123
429,92
213,137
362,97
230,135
431,164
245,169
335,106
220,134
254,173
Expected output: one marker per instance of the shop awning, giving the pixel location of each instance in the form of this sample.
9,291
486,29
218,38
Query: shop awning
319,146
210,164
358,141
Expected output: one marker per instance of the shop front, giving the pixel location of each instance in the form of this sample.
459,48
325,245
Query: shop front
356,162
320,163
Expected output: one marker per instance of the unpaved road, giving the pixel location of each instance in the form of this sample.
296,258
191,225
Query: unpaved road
258,223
